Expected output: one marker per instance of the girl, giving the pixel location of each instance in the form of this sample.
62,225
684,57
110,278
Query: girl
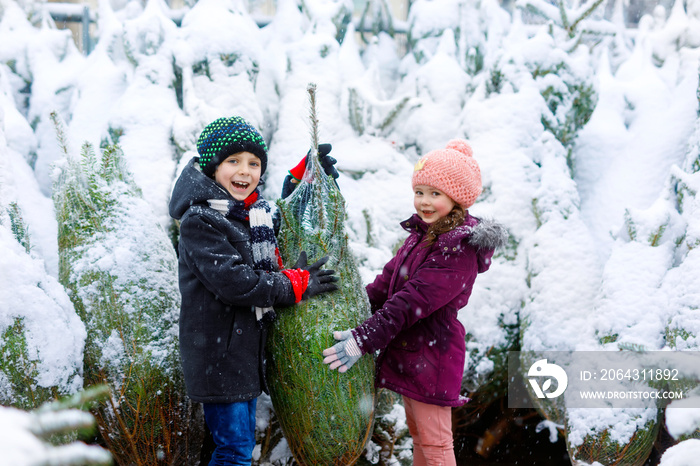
416,298
230,278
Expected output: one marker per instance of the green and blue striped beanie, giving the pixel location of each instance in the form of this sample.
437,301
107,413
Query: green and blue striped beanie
228,136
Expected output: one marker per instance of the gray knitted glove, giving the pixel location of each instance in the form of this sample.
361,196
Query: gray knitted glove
343,354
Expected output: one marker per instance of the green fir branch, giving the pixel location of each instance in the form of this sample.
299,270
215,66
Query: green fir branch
535,10
20,230
19,369
356,111
84,399
394,113
630,225
563,16
586,13
655,237
60,132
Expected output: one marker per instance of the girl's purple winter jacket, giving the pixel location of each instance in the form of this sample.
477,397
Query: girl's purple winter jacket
415,301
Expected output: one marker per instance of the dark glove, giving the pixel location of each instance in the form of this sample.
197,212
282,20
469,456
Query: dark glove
297,173
327,162
320,280
343,354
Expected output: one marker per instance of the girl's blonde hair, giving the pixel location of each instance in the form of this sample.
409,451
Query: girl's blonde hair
447,223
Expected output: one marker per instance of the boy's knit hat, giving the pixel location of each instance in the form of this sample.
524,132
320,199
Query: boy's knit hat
452,170
228,136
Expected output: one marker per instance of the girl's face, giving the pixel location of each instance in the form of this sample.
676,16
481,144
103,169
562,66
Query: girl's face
431,204
239,174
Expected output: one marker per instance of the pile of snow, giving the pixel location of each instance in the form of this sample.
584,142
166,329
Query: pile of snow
24,438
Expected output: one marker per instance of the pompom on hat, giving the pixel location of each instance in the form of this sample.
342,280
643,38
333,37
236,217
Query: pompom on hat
452,170
227,136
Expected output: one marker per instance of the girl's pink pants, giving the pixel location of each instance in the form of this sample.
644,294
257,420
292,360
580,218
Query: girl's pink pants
431,429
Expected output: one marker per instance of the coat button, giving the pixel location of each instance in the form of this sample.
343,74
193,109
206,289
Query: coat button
239,331
445,248
404,343
405,277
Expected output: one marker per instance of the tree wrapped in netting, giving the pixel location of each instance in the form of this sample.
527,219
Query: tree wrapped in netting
327,417
602,446
119,267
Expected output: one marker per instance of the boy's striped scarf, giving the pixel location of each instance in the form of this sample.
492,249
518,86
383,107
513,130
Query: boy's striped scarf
266,254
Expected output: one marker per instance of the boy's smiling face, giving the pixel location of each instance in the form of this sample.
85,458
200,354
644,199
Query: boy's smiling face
240,174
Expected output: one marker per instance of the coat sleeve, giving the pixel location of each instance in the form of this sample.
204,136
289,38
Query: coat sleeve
437,282
216,262
378,290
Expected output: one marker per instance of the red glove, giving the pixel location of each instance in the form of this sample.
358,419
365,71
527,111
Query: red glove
300,281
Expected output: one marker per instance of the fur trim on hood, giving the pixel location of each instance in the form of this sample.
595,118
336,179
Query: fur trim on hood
488,234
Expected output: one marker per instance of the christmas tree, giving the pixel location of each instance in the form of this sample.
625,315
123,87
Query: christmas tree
326,417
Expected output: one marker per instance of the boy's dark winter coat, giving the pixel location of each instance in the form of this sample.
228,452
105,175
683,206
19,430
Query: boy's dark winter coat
415,301
221,343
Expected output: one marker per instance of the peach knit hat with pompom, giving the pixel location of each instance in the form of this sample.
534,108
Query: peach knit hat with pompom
452,170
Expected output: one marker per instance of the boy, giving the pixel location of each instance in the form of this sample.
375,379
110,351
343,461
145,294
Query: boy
231,276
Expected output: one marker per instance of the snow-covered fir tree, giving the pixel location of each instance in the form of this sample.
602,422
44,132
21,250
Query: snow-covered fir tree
119,267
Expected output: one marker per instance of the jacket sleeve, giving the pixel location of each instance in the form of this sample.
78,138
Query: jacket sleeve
437,282
215,261
378,290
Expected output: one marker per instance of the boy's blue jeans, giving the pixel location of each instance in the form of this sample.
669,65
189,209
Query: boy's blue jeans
232,426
